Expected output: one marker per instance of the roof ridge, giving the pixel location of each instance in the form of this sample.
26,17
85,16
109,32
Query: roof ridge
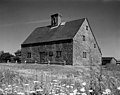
61,22
45,33
76,20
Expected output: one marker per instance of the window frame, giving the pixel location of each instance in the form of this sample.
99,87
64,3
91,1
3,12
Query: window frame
50,53
94,45
84,54
29,55
86,27
83,37
58,54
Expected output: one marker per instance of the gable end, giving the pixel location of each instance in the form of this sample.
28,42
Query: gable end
94,37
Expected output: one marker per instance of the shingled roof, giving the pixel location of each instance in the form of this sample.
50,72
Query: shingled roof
48,34
106,60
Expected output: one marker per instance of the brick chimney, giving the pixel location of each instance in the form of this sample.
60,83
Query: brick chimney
55,20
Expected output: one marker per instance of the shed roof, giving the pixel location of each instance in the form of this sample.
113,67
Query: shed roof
108,58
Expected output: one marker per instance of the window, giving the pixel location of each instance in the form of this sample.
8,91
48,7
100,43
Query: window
86,27
29,55
58,54
84,54
50,53
54,21
83,37
94,45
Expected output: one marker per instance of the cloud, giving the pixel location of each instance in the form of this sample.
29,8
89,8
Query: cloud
30,22
39,21
110,0
84,0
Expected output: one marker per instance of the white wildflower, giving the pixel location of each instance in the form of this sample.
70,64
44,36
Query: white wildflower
20,93
91,90
84,83
83,94
118,88
108,91
82,89
71,93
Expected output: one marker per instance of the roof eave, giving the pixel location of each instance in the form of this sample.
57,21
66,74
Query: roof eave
94,36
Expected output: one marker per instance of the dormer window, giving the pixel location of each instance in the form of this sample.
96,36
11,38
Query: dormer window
83,37
55,20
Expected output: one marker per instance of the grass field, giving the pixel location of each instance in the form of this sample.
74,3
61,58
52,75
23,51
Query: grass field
32,68
21,74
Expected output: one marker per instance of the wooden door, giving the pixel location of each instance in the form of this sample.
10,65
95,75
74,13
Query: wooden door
42,57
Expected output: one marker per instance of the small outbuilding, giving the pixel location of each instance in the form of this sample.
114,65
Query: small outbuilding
118,62
108,60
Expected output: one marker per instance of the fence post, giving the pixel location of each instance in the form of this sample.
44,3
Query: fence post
25,61
64,62
48,62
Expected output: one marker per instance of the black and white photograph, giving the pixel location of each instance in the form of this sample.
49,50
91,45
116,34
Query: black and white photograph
59,47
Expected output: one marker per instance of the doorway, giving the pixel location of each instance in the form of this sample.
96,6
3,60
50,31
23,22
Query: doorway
42,57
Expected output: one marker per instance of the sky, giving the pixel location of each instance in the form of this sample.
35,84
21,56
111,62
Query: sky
18,18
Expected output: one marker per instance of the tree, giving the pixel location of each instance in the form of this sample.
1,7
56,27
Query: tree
18,53
1,52
17,56
4,57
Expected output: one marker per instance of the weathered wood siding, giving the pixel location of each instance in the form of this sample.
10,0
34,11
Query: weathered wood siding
80,46
113,61
72,50
64,46
90,65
